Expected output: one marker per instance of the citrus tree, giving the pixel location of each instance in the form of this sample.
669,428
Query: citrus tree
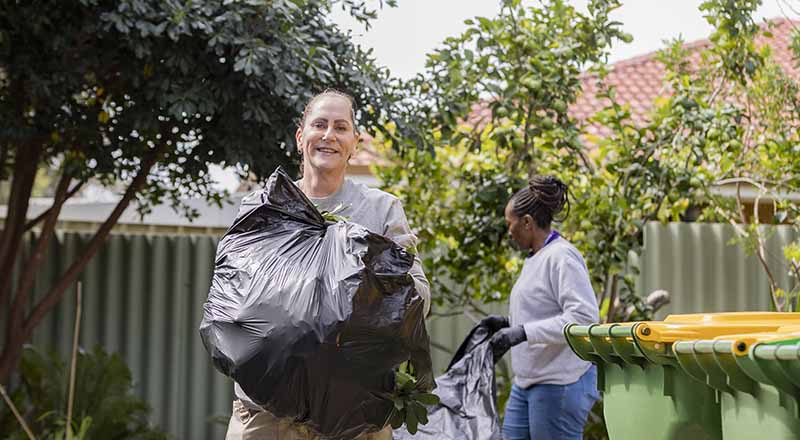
489,109
492,108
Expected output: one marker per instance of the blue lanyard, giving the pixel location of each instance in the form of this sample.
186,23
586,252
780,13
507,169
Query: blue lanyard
552,236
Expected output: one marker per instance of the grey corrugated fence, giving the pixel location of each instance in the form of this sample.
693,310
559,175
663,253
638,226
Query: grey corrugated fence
704,273
143,297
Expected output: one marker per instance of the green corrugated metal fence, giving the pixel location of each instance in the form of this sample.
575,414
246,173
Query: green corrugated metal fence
703,273
143,297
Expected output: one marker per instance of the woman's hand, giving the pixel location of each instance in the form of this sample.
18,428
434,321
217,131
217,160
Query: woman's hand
495,322
506,338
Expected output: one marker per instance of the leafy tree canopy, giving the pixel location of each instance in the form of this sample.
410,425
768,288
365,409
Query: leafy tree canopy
100,84
492,108
142,95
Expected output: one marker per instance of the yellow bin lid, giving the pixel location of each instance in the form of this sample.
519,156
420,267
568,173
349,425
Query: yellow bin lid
712,325
741,344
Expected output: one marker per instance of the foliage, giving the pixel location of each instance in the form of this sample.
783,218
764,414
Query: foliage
492,108
220,82
410,403
333,215
524,67
760,149
456,186
142,96
461,233
104,405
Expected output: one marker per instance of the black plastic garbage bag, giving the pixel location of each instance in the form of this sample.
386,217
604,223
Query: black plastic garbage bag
467,394
312,317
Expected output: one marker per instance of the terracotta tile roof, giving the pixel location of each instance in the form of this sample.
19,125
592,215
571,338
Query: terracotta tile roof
366,154
639,80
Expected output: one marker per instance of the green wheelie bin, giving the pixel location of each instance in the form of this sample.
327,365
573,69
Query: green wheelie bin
647,394
757,376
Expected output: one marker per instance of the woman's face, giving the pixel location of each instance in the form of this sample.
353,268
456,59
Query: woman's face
327,138
520,229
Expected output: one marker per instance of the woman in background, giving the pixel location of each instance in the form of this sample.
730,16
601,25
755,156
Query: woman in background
553,390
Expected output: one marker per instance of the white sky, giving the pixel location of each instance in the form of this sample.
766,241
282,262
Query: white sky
402,36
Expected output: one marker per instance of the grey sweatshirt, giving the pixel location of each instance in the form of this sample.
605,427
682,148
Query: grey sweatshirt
376,210
553,290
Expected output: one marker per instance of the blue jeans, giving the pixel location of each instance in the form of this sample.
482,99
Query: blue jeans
550,412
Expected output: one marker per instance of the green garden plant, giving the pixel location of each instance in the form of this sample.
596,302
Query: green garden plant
104,406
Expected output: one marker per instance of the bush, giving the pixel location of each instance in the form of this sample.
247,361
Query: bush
104,406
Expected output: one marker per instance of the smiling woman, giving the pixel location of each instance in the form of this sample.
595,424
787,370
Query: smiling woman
326,138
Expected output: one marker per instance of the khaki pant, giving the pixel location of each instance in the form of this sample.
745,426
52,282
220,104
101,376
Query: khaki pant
261,425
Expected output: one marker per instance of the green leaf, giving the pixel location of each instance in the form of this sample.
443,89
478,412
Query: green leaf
411,422
420,412
396,420
427,398
404,379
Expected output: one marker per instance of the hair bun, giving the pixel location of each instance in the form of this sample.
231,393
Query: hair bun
551,192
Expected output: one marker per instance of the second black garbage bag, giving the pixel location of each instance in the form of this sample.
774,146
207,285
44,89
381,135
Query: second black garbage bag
311,317
468,406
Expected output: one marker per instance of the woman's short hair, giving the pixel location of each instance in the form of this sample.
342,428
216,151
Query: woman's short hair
326,93
543,199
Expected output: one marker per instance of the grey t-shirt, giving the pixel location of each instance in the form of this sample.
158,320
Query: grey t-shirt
376,210
553,290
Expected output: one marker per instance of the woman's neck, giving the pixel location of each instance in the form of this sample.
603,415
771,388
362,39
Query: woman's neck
539,238
316,184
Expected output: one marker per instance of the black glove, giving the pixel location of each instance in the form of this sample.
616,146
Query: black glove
506,338
495,322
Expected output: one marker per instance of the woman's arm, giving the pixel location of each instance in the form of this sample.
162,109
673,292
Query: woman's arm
575,296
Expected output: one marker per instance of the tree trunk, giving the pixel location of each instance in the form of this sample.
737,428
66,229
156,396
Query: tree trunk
26,164
15,340
9,360
612,299
45,214
30,267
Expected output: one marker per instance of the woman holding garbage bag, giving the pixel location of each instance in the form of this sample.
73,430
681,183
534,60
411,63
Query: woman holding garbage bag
327,138
553,390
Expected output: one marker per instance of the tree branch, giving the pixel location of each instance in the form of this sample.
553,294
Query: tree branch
739,204
16,413
56,292
742,233
612,299
475,308
44,215
25,167
761,253
445,315
31,266
795,267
